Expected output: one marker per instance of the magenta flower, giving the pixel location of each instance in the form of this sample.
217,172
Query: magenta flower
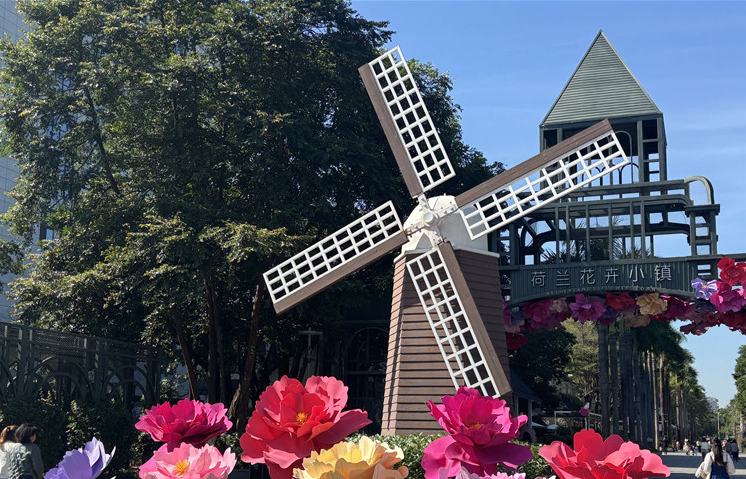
291,420
189,462
726,299
193,422
587,308
704,289
480,430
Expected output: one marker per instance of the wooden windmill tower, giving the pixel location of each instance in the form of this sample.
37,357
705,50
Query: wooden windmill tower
446,322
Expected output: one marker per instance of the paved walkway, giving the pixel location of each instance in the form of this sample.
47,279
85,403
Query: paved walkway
683,467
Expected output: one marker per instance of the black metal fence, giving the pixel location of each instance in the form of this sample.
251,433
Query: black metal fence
71,367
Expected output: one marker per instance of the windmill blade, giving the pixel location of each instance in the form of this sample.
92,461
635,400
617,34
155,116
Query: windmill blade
406,122
336,256
548,176
456,323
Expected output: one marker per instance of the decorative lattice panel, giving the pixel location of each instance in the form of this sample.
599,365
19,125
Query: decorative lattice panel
555,179
451,326
411,119
327,256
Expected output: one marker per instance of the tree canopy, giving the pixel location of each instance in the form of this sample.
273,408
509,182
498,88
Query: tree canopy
179,149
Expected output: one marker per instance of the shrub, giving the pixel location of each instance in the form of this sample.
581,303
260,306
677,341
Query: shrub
537,466
111,423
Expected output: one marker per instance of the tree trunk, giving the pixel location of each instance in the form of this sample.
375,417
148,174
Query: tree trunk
213,363
239,409
186,354
614,381
603,376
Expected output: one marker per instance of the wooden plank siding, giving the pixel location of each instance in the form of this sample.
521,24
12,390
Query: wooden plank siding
415,372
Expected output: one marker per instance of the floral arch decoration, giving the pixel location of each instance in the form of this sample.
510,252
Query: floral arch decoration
716,302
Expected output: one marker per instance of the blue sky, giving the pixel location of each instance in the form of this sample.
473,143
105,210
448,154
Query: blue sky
509,61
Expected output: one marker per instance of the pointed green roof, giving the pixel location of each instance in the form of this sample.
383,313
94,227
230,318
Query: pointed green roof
601,87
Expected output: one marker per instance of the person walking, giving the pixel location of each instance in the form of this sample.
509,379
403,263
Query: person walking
7,441
717,464
704,447
25,458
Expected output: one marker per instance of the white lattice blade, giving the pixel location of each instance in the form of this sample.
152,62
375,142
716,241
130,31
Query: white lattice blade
544,185
415,129
463,355
339,254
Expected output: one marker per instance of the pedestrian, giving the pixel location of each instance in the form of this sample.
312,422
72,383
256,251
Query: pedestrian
733,445
25,457
677,446
697,445
704,447
717,464
7,436
687,447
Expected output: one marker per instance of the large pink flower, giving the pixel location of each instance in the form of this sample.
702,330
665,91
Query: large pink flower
594,458
188,421
291,420
188,462
480,430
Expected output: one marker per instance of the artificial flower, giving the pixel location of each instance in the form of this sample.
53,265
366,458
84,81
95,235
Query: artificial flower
291,420
677,308
465,474
560,306
587,308
188,462
87,462
515,341
651,304
594,458
731,272
726,299
480,430
364,459
540,315
620,302
704,289
193,422
513,320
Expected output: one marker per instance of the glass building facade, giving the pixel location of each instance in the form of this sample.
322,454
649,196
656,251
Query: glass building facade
11,24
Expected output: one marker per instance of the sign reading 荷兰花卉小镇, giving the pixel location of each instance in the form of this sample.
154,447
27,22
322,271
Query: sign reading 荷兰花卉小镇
664,275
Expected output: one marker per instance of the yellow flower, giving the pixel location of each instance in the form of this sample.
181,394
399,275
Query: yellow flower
366,459
652,304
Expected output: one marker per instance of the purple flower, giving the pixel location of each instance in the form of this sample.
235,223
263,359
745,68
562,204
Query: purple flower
587,308
87,462
704,289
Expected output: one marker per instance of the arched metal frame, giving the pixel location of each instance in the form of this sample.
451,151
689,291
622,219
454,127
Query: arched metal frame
75,367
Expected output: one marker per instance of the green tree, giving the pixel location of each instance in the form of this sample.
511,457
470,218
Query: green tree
180,148
541,363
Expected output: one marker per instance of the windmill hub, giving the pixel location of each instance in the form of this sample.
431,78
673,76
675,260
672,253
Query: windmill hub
435,220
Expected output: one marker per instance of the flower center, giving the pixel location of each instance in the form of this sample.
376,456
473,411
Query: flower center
475,425
301,417
181,467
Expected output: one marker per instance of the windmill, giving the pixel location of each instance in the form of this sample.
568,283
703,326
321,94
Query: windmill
435,275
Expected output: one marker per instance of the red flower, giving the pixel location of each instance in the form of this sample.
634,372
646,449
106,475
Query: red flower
193,422
587,308
731,272
515,341
480,429
290,421
620,302
594,458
